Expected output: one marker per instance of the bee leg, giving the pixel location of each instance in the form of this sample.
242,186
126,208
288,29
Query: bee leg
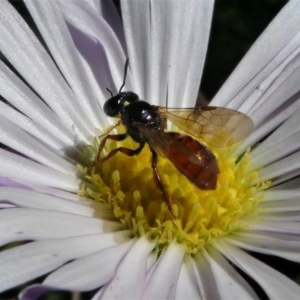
160,184
109,129
114,137
126,151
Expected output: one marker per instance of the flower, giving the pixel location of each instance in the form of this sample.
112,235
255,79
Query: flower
51,115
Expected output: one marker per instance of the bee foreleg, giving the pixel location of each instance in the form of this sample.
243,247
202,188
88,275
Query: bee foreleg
114,137
109,129
124,150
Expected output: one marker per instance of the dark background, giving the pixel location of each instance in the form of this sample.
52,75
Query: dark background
236,25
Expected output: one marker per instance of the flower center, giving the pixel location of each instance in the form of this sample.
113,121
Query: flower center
126,185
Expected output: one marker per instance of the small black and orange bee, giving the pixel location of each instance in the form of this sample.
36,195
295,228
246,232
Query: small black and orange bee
146,124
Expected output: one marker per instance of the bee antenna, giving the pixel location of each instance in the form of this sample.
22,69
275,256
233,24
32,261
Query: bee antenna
125,73
109,91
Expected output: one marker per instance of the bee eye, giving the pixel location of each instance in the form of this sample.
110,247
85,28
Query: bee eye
113,105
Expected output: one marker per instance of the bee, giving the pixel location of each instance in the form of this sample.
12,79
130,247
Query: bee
146,124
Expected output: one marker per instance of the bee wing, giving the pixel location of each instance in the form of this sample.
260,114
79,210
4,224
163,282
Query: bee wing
218,126
162,142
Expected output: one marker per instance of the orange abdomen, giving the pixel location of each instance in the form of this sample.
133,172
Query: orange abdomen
195,161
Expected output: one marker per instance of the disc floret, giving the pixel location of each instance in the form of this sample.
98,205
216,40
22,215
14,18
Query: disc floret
125,186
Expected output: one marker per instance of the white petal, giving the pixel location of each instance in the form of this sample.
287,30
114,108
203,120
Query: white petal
272,122
278,151
270,50
281,93
31,199
212,282
15,138
32,128
53,28
285,205
276,285
137,40
265,85
25,53
162,278
281,217
279,195
285,177
18,224
205,277
282,142
26,171
57,193
38,113
160,25
96,5
281,204
90,272
187,285
186,53
293,184
22,263
286,210
278,169
273,226
129,279
228,281
282,245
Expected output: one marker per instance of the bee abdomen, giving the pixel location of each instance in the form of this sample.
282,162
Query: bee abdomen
195,161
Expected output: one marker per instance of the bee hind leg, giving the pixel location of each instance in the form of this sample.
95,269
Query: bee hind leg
159,182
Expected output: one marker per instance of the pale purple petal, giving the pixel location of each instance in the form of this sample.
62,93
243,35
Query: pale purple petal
35,291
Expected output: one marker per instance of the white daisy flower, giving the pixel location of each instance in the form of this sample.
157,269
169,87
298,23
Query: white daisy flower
87,225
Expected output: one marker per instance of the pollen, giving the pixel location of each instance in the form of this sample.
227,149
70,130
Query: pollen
127,187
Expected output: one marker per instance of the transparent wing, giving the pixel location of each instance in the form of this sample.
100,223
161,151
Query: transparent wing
218,126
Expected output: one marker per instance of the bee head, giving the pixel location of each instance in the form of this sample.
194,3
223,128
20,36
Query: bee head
115,104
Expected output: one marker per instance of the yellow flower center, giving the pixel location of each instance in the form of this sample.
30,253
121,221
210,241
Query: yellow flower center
126,185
